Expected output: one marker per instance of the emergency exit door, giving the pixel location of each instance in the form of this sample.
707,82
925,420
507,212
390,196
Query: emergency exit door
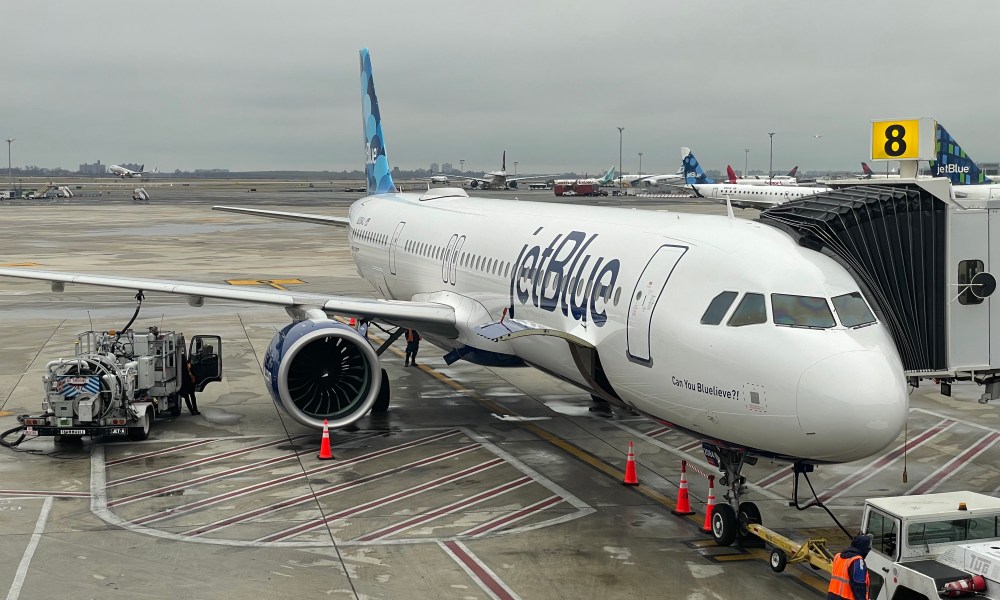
648,290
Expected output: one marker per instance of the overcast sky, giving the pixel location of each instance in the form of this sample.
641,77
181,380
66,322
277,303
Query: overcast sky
274,85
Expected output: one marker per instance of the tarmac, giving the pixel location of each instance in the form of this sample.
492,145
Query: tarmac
478,483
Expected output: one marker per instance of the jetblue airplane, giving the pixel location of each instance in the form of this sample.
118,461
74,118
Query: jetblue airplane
741,195
967,179
723,328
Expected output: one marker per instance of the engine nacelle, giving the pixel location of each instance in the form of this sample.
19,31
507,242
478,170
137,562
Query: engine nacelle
512,185
473,184
322,369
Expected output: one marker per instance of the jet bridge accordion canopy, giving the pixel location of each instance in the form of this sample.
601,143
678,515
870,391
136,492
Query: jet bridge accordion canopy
893,239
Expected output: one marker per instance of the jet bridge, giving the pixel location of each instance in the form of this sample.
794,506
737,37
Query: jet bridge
923,259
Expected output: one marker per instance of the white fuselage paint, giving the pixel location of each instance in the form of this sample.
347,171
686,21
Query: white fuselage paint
763,194
823,395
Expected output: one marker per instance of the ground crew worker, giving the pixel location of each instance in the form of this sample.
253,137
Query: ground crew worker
850,575
412,345
187,385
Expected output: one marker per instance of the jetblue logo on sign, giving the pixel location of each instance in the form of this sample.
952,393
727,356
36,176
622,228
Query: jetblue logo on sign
563,275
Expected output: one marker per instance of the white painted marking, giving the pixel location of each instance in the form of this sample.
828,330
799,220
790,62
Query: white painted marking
22,569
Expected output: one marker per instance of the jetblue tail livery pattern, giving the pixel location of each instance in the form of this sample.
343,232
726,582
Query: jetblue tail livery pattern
693,173
720,327
376,161
952,162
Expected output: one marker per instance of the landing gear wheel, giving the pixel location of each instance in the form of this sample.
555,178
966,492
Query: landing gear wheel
778,560
724,525
138,434
381,405
749,513
174,403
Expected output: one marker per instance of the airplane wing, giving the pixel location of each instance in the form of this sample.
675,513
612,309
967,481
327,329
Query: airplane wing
289,216
510,179
479,179
430,317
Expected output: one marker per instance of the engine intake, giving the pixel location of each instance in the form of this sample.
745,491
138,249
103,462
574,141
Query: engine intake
322,369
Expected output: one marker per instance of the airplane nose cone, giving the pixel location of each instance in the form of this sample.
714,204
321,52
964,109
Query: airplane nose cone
852,405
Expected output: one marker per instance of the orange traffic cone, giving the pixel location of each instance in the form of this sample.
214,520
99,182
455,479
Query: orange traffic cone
707,526
324,446
683,500
630,477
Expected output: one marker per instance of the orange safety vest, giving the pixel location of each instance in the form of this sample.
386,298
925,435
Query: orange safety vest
412,335
840,582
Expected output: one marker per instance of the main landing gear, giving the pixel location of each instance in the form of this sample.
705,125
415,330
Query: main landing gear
730,518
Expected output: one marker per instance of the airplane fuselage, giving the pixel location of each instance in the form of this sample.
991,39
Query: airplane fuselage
762,194
635,285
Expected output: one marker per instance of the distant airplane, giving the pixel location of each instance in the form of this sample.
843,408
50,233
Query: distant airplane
967,179
437,178
123,172
788,179
498,180
606,179
867,173
650,180
740,194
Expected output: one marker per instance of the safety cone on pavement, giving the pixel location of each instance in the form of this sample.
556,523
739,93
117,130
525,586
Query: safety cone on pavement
683,499
630,477
707,525
324,446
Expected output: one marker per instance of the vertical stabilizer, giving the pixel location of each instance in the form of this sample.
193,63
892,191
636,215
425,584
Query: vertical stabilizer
952,162
609,176
693,173
376,161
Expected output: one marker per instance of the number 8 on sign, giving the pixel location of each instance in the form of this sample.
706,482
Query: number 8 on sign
895,139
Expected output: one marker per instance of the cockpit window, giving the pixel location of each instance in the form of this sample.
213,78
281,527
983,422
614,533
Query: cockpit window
750,311
853,310
717,308
801,311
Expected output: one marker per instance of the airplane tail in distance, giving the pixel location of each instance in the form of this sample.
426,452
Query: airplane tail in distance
866,170
609,176
693,173
142,168
952,162
731,173
503,162
794,170
376,161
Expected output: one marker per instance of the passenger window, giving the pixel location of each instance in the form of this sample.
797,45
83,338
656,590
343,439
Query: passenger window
853,310
967,269
801,311
718,308
750,311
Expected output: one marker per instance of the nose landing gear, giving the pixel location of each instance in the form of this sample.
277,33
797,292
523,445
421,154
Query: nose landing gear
730,519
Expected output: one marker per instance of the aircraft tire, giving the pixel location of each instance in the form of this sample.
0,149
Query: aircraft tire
724,525
381,405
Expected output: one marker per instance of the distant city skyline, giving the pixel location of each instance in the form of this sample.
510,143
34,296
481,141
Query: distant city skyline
260,88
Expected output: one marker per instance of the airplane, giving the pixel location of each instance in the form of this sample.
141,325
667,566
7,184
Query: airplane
606,179
498,180
740,195
437,179
868,173
651,180
123,172
967,179
788,179
717,326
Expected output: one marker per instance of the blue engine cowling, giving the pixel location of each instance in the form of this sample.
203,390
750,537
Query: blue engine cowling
321,369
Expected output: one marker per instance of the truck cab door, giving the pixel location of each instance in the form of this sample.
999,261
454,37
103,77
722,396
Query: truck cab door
884,530
205,354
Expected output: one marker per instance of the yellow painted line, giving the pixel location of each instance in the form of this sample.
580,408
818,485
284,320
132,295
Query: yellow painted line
286,281
243,282
277,284
20,264
5,413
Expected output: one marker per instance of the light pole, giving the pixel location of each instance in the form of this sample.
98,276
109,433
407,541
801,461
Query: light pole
640,164
746,161
10,172
462,163
621,178
770,164
515,168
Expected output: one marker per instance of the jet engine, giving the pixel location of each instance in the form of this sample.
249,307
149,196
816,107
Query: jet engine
322,369
473,184
512,185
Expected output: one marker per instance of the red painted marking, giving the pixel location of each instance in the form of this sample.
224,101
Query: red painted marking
308,525
501,489
198,463
309,497
527,511
44,493
657,432
164,514
934,479
156,452
484,576
873,467
775,477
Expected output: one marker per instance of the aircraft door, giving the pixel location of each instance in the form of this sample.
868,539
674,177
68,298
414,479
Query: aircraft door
448,258
392,246
648,290
205,354
455,256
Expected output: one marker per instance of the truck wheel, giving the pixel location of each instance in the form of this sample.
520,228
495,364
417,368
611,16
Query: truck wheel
138,434
381,405
778,560
174,402
724,525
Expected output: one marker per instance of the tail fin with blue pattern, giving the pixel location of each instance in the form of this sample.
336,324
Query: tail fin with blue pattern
952,162
608,177
376,161
693,173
